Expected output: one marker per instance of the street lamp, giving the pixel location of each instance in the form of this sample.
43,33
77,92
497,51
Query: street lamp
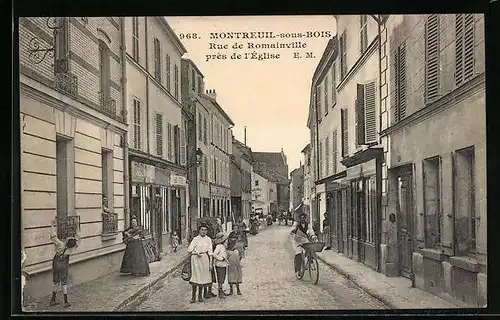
198,158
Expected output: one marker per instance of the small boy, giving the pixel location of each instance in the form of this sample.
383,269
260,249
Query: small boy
175,241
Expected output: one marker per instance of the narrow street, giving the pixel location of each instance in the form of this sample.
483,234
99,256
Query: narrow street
268,284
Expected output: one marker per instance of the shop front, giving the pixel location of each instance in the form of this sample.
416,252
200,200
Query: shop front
221,203
361,205
158,200
334,190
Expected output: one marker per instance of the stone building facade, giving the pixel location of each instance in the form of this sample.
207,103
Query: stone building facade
296,187
308,180
157,127
434,126
241,180
73,132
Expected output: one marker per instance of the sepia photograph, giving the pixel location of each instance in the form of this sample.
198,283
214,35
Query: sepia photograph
252,163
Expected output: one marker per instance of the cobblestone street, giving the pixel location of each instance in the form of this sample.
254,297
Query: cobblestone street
268,284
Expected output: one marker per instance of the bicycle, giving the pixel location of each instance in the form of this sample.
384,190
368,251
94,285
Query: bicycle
309,260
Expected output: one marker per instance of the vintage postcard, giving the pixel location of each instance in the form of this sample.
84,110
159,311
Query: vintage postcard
319,162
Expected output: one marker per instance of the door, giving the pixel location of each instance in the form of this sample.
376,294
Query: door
332,218
361,220
404,211
156,231
176,212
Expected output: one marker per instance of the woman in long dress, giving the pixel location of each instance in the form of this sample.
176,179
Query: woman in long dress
134,259
201,252
326,232
234,270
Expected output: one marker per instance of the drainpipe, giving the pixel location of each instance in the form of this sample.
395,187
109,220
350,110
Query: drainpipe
126,177
147,85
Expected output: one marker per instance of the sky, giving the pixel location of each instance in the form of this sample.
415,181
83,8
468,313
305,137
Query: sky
271,96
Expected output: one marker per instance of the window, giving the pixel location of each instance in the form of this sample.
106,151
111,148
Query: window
334,152
464,197
464,48
104,69
135,38
176,82
61,46
205,164
256,183
345,140
65,176
137,124
157,59
432,201
431,58
145,209
400,82
326,94
169,141
168,75
215,171
327,156
321,164
193,80
200,127
343,56
164,209
177,145
205,136
363,33
366,127
159,135
334,84
183,144
319,97
109,222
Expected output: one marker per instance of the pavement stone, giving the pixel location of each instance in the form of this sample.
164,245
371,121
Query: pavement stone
395,292
113,291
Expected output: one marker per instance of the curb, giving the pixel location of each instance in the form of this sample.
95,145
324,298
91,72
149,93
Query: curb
375,295
130,300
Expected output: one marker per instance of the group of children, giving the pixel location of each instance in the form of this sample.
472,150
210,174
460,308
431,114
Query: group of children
227,255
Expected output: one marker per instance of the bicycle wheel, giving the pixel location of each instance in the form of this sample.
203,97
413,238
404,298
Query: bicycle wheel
303,267
313,270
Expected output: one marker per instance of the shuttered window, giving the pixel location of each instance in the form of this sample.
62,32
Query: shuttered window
370,117
363,33
200,127
159,134
343,56
432,58
327,156
334,84
464,48
169,75
177,145
135,38
334,152
176,82
183,143
318,101
345,138
205,130
400,82
169,141
326,94
137,124
360,114
157,59
321,164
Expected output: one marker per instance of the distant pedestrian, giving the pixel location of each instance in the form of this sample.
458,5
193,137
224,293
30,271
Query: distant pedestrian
220,260
175,241
326,232
201,251
234,270
134,259
60,262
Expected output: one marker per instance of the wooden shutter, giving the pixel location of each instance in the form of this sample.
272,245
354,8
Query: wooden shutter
168,66
326,94
176,81
137,124
169,141
345,140
363,33
334,85
205,129
183,144
318,100
370,115
432,57
177,144
360,115
334,152
464,48
343,55
159,135
327,156
402,81
135,38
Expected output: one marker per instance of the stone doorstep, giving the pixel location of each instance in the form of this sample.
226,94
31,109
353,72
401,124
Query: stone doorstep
159,270
375,291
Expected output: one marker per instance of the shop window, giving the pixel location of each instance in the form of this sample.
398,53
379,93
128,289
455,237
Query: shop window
164,209
432,202
463,192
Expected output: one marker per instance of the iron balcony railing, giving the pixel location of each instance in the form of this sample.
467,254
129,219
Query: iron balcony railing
109,223
67,83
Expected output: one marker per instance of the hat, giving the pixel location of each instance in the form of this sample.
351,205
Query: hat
71,242
221,237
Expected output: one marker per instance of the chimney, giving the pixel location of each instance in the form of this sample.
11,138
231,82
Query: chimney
211,93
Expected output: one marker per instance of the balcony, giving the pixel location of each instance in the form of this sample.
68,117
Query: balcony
109,223
66,83
68,226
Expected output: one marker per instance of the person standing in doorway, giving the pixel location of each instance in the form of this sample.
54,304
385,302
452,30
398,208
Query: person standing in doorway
60,262
326,232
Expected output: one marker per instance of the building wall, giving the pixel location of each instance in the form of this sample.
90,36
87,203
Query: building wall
89,131
459,119
260,193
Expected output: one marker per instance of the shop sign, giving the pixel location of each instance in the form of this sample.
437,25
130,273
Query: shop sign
178,181
142,172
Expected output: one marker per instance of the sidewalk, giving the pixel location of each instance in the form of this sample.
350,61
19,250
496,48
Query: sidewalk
395,292
114,291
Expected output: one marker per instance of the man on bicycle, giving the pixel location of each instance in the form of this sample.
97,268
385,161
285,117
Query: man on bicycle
300,231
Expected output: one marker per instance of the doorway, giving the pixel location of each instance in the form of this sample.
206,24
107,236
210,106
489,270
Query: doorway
404,222
175,209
